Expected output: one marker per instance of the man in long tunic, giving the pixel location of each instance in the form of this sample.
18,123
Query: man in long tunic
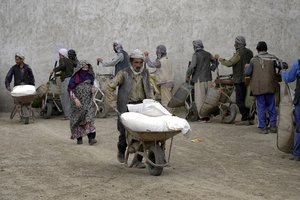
164,74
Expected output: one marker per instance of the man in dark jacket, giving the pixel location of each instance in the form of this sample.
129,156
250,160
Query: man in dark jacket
121,61
241,57
21,72
66,66
263,85
199,72
133,87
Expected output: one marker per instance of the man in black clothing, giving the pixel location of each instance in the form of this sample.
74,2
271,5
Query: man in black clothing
21,73
241,57
66,67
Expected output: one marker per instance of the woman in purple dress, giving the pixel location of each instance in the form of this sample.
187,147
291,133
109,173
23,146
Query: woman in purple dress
81,89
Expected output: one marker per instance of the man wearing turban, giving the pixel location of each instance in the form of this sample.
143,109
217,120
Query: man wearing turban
21,72
120,61
133,87
199,72
240,58
66,66
164,74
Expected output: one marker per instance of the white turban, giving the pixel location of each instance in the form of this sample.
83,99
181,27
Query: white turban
63,52
137,54
18,54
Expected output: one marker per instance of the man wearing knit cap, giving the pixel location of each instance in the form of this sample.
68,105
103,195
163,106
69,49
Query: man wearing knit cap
133,87
21,72
120,61
240,58
66,67
164,74
262,70
199,72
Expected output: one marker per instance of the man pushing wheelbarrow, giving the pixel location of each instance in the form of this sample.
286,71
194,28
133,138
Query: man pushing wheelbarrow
22,74
134,87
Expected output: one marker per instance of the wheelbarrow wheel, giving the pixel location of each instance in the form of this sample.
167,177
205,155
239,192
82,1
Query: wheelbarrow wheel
102,110
230,114
48,110
157,156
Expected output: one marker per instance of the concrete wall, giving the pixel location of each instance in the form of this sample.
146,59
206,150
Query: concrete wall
38,28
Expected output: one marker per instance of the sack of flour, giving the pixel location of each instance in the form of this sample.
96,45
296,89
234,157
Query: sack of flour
149,107
143,123
23,90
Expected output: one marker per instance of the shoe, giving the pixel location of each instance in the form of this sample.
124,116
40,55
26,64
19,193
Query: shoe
273,129
296,158
139,165
204,120
121,157
79,141
263,131
65,118
244,123
92,141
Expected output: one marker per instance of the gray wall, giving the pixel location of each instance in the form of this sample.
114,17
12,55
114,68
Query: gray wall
40,28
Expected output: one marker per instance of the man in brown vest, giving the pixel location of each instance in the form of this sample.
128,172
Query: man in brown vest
263,84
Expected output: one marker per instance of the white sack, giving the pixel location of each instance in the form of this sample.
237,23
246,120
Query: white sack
143,123
149,107
23,90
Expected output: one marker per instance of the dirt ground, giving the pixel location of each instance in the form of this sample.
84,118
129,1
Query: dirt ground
39,161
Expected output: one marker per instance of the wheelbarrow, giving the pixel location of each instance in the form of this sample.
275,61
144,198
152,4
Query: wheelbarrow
99,98
217,100
22,105
150,145
50,94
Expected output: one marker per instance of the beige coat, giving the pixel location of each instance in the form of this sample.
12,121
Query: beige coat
165,73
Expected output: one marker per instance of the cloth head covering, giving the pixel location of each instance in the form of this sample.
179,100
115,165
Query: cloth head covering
18,54
118,46
161,51
72,54
63,52
262,46
83,63
198,44
137,54
240,41
140,55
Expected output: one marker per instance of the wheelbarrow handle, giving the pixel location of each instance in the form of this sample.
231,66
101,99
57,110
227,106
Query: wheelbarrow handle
116,110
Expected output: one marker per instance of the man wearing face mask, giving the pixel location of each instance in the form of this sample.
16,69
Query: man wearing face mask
120,61
241,57
133,87
164,73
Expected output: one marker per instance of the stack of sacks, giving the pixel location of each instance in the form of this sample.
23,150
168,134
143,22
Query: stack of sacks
23,90
151,116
